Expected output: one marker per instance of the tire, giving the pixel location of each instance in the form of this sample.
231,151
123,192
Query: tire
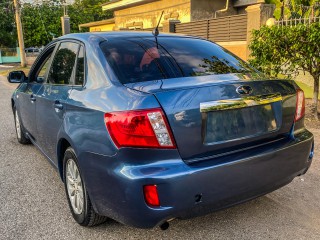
21,134
77,195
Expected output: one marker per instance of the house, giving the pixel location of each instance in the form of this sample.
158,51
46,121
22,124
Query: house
99,26
226,22
145,14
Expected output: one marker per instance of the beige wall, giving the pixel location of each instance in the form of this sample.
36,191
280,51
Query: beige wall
238,48
100,28
205,9
150,13
147,16
257,15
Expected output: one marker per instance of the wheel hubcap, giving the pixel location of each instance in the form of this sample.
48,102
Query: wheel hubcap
18,127
74,186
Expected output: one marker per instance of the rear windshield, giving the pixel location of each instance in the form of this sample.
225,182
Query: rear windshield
137,60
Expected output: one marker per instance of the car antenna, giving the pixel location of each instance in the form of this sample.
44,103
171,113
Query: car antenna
155,31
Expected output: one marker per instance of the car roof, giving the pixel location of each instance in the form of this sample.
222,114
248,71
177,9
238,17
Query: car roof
118,34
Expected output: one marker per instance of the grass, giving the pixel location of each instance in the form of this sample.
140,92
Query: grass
308,91
5,72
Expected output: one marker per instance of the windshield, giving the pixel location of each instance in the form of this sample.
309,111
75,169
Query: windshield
137,60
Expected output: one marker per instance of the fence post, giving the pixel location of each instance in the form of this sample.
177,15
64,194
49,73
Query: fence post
0,57
257,16
169,26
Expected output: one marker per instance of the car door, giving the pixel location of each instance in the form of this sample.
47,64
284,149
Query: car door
52,97
27,99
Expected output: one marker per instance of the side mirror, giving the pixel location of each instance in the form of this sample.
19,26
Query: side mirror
17,77
40,79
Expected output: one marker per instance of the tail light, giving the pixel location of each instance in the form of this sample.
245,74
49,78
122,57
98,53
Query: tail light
300,105
139,128
151,196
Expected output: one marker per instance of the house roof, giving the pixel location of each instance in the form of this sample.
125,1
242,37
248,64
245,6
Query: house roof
122,4
97,23
244,3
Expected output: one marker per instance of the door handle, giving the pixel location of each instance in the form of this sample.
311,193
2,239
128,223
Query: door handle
58,105
32,98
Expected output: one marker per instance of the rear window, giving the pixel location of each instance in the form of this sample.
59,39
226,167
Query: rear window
137,60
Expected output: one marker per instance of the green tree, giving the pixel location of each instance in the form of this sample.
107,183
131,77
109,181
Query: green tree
91,9
294,8
41,22
287,50
8,35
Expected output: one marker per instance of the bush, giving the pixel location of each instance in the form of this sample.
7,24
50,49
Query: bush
286,50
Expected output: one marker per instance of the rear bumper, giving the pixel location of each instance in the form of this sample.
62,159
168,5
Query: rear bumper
115,186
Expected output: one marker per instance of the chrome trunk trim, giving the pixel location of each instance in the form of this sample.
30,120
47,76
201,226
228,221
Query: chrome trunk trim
236,103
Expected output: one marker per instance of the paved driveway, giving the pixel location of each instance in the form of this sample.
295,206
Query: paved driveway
33,203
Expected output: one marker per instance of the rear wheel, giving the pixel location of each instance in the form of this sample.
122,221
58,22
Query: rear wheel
21,134
78,198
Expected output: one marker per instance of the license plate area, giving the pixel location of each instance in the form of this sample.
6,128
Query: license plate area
241,120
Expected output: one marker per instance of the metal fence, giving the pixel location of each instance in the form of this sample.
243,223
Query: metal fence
292,10
297,21
224,29
8,52
9,55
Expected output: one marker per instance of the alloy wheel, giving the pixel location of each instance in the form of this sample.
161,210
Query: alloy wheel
18,125
74,186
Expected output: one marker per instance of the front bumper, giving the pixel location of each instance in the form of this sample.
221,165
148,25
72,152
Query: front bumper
115,184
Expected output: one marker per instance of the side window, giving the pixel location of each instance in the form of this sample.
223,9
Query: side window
79,79
39,72
40,76
63,63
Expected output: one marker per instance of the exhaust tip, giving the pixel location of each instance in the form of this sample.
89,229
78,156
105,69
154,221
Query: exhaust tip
164,226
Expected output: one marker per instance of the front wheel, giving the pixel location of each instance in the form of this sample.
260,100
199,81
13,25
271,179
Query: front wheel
78,198
21,135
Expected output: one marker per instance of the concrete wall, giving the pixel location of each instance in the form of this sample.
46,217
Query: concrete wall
228,34
10,59
205,9
105,27
149,14
257,14
238,48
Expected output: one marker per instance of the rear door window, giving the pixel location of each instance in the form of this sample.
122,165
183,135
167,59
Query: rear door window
80,69
138,60
63,64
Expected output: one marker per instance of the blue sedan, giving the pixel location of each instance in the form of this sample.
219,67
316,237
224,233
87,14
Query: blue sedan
146,129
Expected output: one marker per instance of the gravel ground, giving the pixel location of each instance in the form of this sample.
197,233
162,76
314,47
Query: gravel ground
33,203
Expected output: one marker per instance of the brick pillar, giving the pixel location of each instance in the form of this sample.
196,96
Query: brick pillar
257,16
169,26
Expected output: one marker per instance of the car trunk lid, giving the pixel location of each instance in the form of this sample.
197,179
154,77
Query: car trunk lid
210,115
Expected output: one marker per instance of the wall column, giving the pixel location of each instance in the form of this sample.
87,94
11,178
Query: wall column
257,16
169,26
